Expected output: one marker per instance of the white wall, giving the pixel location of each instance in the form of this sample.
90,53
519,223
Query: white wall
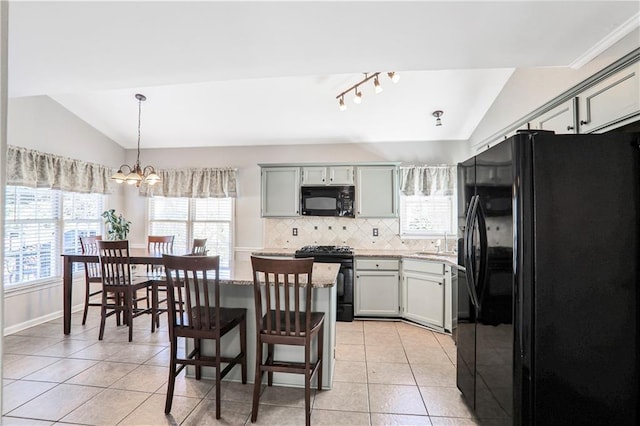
531,88
42,124
249,225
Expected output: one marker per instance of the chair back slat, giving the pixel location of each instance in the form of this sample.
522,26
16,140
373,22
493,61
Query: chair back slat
190,282
285,284
115,264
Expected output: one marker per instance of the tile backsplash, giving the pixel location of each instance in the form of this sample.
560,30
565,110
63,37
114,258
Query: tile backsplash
357,233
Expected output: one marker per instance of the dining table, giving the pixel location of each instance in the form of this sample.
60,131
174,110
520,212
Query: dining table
137,256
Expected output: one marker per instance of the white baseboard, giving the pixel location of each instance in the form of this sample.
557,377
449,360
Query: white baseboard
37,321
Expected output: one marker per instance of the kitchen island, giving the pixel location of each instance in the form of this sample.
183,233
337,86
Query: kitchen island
236,291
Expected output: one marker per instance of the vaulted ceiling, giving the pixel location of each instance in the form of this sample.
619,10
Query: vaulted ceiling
252,73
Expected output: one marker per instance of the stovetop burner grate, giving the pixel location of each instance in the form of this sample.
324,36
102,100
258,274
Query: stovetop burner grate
325,250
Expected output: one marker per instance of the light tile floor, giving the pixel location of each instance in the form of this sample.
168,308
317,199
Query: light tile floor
387,373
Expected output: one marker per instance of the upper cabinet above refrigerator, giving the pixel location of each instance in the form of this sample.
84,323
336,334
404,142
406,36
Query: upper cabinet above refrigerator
610,102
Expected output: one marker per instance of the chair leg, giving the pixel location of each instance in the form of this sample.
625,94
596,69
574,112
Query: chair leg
196,346
243,349
86,303
103,315
270,360
320,360
172,375
218,378
307,383
129,309
257,383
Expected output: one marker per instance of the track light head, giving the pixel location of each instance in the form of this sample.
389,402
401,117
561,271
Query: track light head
376,85
341,104
394,76
358,97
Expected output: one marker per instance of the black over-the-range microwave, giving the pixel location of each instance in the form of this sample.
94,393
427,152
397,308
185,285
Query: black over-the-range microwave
327,201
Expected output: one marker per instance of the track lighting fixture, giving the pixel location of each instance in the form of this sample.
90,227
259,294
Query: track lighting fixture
437,114
357,94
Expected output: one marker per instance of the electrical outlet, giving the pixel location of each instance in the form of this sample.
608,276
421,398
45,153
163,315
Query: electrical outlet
294,232
375,232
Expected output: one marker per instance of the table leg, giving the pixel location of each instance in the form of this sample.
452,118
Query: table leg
67,290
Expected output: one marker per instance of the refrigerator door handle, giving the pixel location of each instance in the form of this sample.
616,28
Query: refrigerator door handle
484,251
468,250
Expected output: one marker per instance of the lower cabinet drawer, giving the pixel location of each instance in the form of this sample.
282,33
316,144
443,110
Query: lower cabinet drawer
423,266
377,264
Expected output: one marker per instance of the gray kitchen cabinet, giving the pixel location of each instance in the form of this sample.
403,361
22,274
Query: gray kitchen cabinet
611,102
377,191
334,175
426,293
561,119
280,191
377,287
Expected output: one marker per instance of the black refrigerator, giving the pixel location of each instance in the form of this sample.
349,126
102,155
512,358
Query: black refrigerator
549,238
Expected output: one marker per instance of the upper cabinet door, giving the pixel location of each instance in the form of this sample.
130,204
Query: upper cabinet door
334,175
611,102
280,191
561,119
341,175
377,191
314,175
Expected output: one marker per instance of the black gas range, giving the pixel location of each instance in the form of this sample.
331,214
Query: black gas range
344,282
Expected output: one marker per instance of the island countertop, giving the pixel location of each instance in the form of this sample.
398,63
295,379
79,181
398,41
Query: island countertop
448,258
241,273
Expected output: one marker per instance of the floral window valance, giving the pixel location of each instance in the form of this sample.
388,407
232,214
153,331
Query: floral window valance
194,183
427,180
34,169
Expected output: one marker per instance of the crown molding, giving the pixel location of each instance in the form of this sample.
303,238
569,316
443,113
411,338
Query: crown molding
608,41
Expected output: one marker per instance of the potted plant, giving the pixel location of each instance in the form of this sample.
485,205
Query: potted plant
117,226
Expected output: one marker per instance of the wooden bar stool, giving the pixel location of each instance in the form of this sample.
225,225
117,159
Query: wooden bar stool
280,286
193,292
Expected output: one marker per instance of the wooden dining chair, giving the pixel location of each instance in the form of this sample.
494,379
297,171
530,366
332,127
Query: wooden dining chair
115,269
91,274
162,244
280,286
196,313
199,247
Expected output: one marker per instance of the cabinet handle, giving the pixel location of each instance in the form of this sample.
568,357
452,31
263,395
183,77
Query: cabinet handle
569,127
583,122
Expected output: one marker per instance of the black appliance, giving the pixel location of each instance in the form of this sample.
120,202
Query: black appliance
327,201
548,302
344,282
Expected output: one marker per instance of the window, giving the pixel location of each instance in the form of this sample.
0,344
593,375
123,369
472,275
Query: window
189,218
42,223
422,215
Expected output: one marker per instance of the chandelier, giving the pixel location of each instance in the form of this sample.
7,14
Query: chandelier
136,174
357,94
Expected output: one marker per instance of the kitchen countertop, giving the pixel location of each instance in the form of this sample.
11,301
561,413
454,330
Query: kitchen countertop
449,259
241,273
